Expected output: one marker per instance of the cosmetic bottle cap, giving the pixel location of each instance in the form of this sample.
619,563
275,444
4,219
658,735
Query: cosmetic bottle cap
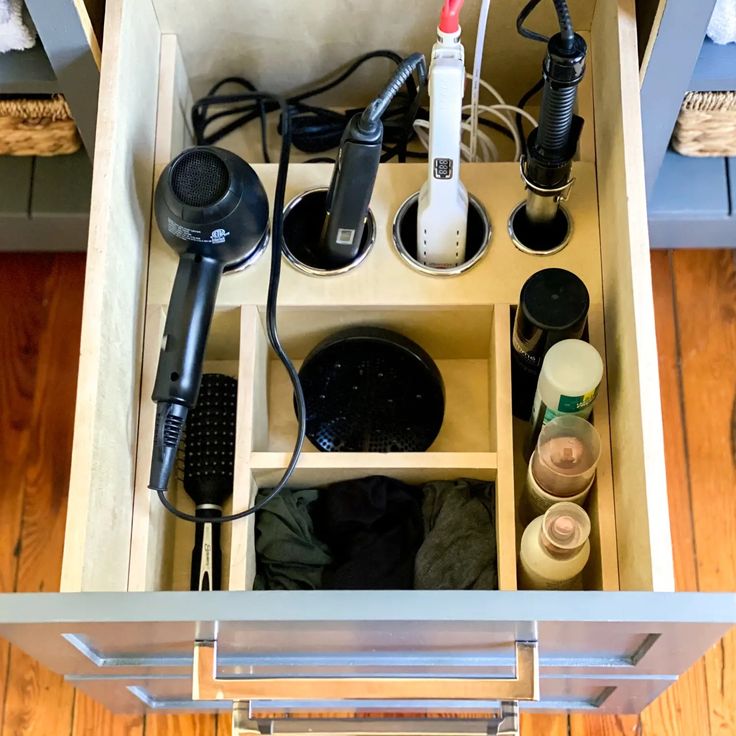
565,528
555,299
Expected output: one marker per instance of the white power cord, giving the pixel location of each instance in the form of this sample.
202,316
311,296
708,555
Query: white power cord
470,153
488,150
480,41
499,112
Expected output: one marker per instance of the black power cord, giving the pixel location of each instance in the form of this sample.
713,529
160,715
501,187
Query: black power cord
563,18
271,326
534,90
522,30
319,129
314,129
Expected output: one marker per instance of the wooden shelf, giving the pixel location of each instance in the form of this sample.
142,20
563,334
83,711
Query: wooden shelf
715,69
27,72
44,202
692,205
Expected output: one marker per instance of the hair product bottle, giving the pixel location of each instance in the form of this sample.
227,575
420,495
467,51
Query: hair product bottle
553,306
563,464
568,384
555,549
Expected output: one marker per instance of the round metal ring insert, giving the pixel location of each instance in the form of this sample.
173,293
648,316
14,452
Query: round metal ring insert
478,222
369,238
562,240
252,257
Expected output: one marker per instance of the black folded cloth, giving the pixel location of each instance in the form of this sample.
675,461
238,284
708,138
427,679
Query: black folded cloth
373,527
288,554
459,548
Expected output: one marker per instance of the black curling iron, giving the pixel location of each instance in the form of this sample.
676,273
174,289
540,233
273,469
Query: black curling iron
547,166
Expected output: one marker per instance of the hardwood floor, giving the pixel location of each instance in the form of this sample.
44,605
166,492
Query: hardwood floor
40,310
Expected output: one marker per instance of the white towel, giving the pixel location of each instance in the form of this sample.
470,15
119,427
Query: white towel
722,26
16,28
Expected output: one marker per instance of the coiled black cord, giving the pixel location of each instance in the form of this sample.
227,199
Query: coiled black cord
314,129
271,326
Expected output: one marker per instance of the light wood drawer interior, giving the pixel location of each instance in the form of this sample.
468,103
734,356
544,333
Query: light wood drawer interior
118,536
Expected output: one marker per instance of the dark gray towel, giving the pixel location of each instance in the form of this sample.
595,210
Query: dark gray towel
288,554
459,549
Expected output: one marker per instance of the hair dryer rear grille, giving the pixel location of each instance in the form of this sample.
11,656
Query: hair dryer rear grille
199,179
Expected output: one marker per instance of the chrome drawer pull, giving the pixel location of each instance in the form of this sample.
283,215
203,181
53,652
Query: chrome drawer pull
506,724
524,685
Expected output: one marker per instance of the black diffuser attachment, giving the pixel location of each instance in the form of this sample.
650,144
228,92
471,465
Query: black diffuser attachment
209,460
213,211
369,389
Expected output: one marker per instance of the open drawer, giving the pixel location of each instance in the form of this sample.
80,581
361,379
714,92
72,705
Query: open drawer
124,627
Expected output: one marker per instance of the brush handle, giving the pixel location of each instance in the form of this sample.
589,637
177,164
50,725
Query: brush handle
207,553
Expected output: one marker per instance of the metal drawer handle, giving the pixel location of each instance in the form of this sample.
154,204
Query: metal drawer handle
524,685
505,724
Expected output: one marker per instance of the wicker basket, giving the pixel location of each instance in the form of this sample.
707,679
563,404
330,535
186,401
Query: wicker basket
706,125
37,127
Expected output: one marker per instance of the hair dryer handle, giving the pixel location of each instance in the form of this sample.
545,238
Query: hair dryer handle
185,332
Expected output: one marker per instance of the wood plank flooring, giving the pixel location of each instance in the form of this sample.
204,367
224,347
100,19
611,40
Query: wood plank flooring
40,310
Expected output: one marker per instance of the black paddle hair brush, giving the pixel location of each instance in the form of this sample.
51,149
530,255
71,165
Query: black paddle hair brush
209,459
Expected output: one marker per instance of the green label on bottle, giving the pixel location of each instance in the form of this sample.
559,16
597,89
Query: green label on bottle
567,405
570,404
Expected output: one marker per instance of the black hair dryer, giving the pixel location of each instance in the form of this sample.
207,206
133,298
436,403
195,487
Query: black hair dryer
211,208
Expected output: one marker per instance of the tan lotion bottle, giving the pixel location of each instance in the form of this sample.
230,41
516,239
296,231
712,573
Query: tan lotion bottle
555,549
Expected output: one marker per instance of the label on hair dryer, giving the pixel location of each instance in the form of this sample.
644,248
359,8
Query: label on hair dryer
195,236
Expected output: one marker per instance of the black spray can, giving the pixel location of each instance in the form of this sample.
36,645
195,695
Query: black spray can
553,306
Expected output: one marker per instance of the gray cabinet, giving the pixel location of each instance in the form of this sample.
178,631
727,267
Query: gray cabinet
44,201
600,652
679,58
